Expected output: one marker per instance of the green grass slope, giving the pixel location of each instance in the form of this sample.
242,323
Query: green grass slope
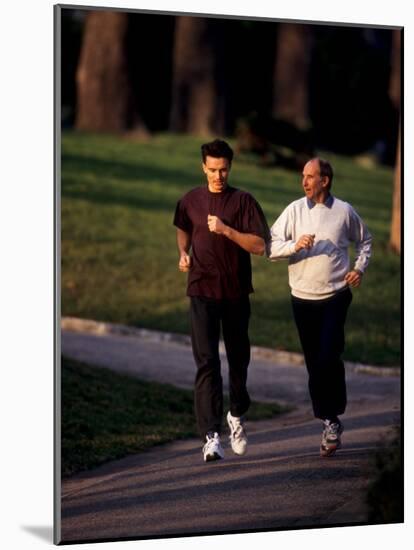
119,257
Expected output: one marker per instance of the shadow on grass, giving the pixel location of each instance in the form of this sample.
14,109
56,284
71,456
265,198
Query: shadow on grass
126,171
175,184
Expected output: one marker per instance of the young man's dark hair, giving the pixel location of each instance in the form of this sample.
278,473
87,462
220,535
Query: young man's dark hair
217,149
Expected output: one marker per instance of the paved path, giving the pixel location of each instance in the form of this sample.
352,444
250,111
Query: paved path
150,355
280,483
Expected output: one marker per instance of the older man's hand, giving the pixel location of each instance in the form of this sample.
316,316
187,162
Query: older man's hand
305,241
353,278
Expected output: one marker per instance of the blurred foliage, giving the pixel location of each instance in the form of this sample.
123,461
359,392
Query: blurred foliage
349,104
386,493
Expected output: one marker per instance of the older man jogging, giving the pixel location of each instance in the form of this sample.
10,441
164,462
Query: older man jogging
314,233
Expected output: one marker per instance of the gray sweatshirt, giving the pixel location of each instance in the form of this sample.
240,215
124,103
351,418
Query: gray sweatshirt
319,272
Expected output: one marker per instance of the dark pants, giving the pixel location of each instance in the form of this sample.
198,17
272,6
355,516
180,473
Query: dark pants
320,325
206,316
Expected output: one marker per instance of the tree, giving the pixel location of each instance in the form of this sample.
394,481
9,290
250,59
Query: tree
395,235
104,95
395,94
197,99
291,72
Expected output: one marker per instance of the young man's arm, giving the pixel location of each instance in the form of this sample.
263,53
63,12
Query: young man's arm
249,242
184,245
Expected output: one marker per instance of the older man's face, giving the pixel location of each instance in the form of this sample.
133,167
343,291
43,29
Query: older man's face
314,185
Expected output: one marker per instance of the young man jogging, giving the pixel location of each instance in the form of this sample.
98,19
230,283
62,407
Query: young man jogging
218,227
315,232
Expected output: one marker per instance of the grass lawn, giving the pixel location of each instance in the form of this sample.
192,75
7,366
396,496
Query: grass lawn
106,415
119,257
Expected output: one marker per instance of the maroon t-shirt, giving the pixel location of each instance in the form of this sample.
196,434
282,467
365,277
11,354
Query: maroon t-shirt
220,269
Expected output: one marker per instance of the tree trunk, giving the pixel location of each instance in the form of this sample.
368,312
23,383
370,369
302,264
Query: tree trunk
197,103
104,101
395,95
395,76
395,237
290,84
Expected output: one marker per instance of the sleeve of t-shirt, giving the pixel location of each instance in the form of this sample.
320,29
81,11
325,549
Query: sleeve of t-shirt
181,219
253,219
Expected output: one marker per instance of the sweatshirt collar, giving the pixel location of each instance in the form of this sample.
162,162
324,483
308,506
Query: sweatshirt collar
328,203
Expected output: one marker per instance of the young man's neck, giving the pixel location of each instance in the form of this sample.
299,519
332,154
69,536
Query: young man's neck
215,190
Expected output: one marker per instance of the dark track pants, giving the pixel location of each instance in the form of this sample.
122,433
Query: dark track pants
320,325
206,316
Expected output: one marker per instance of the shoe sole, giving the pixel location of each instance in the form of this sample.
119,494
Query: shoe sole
329,450
239,454
211,458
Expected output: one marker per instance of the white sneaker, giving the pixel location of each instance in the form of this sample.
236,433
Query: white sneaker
238,437
212,450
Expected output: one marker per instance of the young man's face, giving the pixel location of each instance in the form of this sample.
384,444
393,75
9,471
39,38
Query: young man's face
217,171
314,185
